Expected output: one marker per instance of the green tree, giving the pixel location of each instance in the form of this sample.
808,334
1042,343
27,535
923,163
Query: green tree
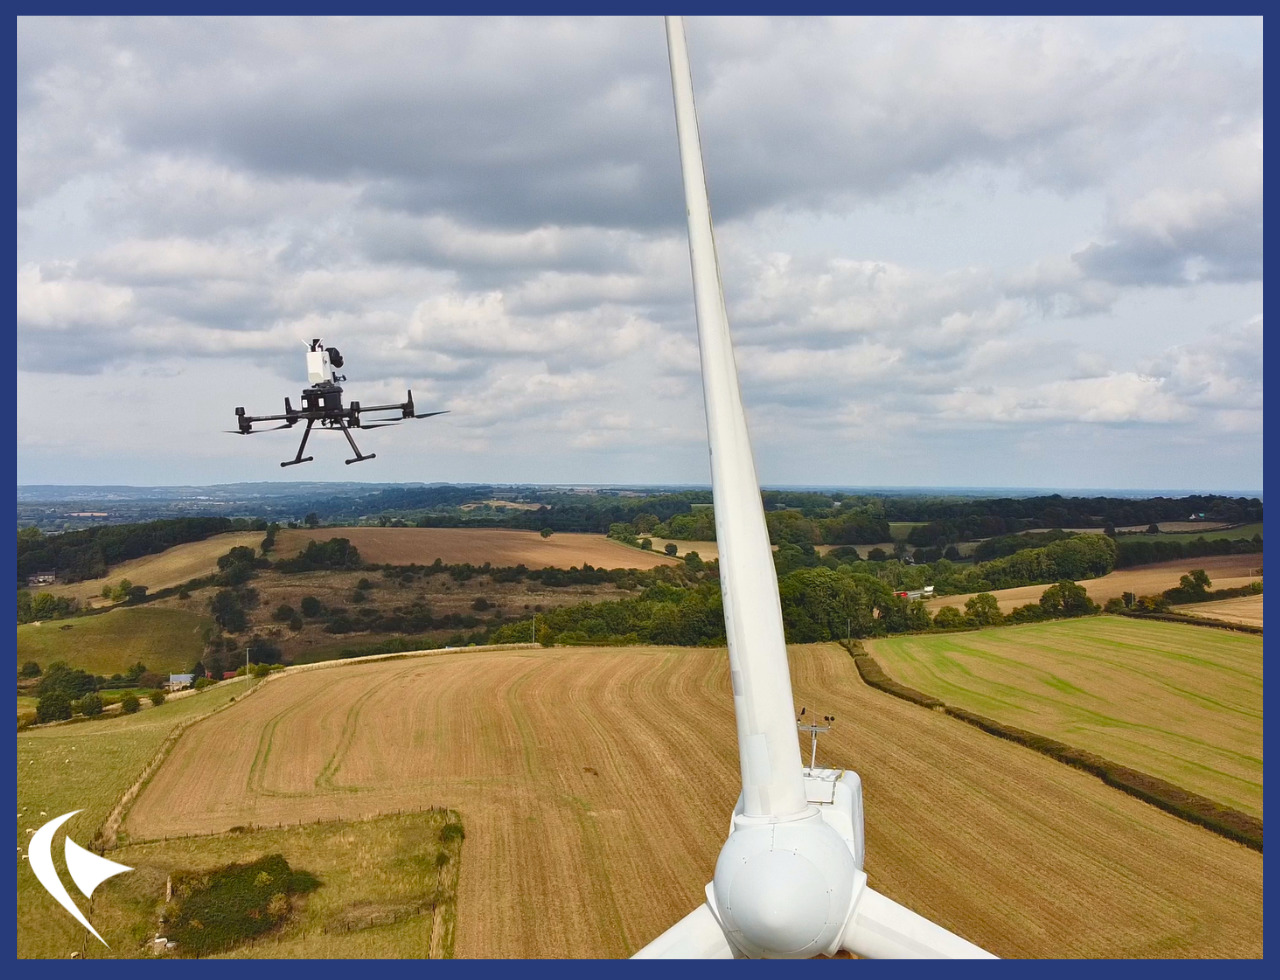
1196,583
54,706
228,611
918,616
948,618
30,669
546,532
90,705
646,544
130,704
983,610
670,548
311,606
877,554
312,520
156,697
1066,598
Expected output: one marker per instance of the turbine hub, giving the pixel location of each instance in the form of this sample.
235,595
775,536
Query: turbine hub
784,890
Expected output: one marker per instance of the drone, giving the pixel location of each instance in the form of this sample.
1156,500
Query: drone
322,403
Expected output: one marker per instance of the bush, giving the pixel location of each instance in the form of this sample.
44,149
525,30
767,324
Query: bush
670,548
480,604
284,612
89,705
54,706
203,682
130,704
948,618
30,669
311,606
157,697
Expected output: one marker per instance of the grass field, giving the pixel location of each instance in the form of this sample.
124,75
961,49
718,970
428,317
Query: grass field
1226,572
1243,609
87,767
595,787
382,892
498,546
166,640
178,564
1180,702
1190,530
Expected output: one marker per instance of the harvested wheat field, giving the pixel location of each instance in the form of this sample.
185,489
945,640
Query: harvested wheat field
176,565
595,786
1174,700
1226,572
1246,609
455,545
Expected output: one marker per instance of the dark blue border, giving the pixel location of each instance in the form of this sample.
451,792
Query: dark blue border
574,969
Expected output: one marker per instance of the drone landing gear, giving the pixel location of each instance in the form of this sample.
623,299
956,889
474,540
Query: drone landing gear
300,458
354,448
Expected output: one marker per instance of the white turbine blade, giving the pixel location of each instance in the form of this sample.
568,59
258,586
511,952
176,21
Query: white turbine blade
768,750
880,928
87,869
698,936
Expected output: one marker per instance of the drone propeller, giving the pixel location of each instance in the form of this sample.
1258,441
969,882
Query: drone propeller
427,415
249,432
376,425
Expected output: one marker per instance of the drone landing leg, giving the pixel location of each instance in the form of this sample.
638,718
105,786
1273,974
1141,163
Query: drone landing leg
300,459
354,448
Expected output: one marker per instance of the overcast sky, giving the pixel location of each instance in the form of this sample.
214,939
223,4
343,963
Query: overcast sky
957,252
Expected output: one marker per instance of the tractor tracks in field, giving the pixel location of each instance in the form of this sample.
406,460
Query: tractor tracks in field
108,834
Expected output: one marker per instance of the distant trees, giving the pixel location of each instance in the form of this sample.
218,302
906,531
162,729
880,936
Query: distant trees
336,553
130,704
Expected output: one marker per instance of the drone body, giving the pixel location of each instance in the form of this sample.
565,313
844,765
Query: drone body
322,402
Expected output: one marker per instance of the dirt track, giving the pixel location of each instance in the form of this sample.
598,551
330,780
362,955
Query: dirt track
596,785
455,545
1226,572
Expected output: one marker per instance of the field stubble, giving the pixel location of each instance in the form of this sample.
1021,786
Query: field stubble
595,786
1226,572
453,545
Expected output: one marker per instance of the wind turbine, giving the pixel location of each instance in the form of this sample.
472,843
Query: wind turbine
789,881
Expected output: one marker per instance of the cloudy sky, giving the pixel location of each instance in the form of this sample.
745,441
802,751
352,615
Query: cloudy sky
957,252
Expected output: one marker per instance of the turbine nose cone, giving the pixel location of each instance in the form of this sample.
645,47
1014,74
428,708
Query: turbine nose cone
785,890
779,901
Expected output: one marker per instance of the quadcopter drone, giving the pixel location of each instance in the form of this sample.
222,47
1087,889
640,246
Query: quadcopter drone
322,403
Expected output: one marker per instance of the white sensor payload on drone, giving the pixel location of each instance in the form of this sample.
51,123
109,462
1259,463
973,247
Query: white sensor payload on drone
322,402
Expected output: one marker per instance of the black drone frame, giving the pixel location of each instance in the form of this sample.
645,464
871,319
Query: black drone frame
323,404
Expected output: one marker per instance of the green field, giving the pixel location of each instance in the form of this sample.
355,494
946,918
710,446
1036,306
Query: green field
85,766
166,640
1242,533
382,893
1180,702
900,529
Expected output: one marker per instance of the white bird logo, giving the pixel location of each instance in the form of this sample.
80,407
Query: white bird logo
87,869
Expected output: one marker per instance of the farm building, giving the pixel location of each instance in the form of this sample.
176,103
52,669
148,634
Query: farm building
42,578
179,681
228,674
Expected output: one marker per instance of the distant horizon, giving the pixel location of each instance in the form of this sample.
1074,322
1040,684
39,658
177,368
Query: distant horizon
969,490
